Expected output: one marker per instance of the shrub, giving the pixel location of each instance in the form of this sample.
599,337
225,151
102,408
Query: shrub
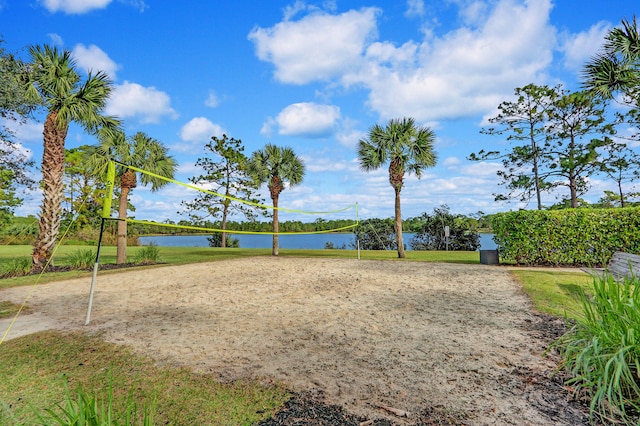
82,258
16,267
577,237
147,254
215,240
602,350
86,234
431,234
376,234
19,234
20,229
329,245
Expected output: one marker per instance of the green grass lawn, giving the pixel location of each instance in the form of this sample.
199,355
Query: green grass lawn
34,368
556,293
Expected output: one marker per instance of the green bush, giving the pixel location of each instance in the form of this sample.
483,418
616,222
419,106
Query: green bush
431,234
82,258
16,268
147,255
576,237
215,240
602,350
376,234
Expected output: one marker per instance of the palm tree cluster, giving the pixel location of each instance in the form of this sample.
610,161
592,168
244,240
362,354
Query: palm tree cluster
55,83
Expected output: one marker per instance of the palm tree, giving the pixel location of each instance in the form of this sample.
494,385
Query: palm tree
276,166
617,67
142,152
406,148
54,83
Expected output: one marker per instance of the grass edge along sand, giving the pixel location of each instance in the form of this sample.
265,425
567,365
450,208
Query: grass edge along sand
186,255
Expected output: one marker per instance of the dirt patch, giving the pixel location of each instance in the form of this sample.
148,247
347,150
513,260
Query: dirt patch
438,343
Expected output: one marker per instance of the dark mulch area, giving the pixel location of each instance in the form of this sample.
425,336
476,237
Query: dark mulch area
547,393
309,408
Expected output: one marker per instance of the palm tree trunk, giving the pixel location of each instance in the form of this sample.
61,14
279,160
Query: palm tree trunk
121,254
52,191
274,249
399,239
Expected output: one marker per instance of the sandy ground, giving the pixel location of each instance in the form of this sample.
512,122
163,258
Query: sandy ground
368,333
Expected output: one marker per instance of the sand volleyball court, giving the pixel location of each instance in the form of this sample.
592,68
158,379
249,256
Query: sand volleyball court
458,339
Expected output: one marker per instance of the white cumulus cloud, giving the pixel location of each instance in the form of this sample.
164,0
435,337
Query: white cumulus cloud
200,129
94,59
56,39
147,104
463,72
308,119
415,8
31,131
319,46
74,6
466,71
481,169
579,48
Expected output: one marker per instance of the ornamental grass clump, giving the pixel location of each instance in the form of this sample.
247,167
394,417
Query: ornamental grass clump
148,255
82,258
87,409
16,268
602,350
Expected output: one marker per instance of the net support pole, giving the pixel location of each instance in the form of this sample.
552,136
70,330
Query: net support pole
95,274
106,213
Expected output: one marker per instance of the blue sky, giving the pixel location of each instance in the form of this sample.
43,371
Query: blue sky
315,76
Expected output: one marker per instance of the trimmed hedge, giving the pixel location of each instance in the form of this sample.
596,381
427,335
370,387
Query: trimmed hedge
571,237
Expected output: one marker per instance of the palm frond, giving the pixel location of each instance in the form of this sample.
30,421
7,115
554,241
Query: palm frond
617,67
273,162
408,146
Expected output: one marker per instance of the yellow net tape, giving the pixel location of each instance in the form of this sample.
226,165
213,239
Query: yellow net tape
111,177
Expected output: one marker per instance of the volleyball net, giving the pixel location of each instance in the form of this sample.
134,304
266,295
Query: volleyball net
111,175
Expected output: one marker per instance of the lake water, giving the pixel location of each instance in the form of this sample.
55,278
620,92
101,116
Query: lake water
303,241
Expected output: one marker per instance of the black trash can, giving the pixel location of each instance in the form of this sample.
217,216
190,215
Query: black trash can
489,257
